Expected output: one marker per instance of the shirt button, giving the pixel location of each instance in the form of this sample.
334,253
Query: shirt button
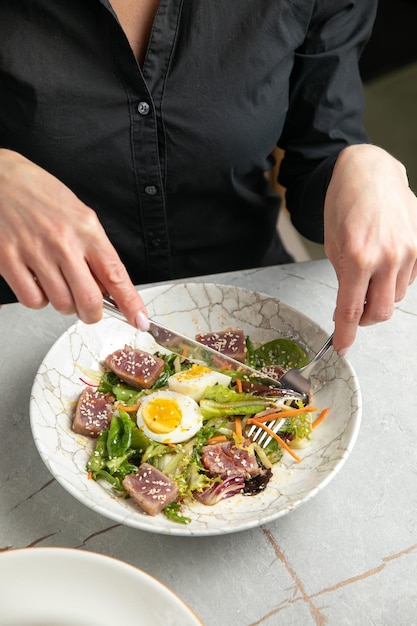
154,240
143,108
150,190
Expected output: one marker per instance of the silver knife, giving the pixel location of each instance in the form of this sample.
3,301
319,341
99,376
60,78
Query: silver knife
195,351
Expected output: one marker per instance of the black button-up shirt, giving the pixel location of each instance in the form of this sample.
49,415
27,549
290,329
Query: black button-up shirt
172,155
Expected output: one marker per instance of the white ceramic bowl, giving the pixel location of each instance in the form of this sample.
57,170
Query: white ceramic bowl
191,308
67,587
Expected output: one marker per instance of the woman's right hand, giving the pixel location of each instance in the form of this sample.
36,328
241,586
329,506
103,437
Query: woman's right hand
54,249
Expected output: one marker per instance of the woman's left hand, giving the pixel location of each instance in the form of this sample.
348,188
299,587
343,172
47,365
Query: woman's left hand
370,237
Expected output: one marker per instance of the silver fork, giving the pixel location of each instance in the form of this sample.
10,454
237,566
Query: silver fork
297,380
260,436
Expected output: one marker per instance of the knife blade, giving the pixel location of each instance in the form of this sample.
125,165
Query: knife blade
195,351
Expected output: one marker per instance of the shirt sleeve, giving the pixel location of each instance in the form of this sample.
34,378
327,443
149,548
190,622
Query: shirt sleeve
326,106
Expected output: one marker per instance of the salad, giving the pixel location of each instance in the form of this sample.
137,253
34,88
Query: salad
169,431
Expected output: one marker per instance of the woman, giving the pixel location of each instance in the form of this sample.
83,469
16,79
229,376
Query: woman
136,136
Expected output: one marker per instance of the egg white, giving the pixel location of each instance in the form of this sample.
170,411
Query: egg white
194,381
191,418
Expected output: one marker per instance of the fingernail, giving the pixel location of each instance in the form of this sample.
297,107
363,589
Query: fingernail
343,351
142,321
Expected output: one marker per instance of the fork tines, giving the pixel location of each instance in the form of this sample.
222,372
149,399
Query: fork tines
260,436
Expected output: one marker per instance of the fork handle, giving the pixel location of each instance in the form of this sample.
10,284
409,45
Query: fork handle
323,350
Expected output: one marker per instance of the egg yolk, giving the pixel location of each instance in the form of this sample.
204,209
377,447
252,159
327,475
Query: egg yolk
194,371
162,415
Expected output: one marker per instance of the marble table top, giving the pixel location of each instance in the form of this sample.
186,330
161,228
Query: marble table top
346,557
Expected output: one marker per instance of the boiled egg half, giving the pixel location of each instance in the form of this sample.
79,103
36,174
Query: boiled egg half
169,417
194,381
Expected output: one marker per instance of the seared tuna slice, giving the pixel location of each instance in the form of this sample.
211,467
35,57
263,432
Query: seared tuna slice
229,342
165,337
135,367
258,389
273,371
150,489
93,412
225,459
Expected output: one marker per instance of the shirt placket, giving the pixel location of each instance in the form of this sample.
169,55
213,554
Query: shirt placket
145,88
150,185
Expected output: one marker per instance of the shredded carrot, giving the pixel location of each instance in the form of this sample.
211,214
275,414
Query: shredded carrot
277,438
281,414
171,445
238,426
239,385
185,351
216,439
90,475
128,409
320,418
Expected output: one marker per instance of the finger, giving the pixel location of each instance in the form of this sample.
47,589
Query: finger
27,291
413,273
115,279
405,278
350,301
102,272
380,299
24,285
67,279
346,322
49,278
56,289
86,293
